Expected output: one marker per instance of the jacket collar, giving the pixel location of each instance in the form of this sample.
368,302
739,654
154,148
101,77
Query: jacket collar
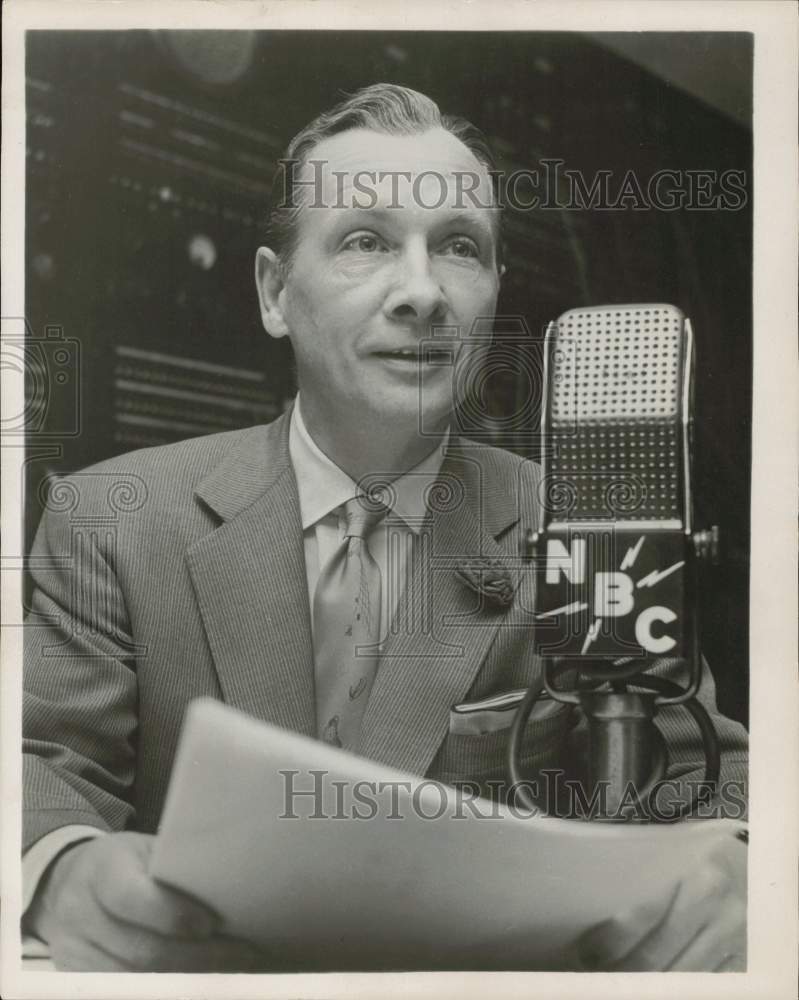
260,457
257,460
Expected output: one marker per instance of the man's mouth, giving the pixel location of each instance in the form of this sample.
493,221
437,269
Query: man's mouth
417,356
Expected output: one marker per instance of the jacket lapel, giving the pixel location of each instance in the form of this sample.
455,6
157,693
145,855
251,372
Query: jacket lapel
250,581
443,630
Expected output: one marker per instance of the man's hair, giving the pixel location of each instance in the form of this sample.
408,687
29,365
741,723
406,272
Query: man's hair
381,107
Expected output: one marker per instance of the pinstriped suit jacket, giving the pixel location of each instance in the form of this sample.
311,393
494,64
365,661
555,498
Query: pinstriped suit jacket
178,572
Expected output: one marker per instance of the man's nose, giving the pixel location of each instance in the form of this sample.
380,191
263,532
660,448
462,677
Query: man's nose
417,293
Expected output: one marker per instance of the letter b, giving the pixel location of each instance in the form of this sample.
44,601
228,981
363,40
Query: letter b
613,595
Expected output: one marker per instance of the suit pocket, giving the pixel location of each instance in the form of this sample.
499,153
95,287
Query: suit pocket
481,758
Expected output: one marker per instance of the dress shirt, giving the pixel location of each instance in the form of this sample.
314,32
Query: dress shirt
323,488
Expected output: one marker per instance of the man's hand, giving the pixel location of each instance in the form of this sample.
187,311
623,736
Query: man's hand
699,927
100,911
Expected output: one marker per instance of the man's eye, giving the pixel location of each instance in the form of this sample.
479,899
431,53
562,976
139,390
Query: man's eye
364,242
463,248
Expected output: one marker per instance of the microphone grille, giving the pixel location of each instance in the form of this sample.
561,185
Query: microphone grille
614,414
617,364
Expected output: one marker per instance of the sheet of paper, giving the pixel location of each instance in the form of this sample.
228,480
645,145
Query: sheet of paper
358,875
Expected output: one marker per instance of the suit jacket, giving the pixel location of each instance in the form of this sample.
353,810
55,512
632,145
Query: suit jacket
178,572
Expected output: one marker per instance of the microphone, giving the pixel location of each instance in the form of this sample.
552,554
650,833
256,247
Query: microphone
616,497
615,550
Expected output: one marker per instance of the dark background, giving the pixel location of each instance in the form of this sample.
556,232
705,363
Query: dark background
150,158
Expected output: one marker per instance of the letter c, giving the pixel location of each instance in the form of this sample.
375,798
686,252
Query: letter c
643,630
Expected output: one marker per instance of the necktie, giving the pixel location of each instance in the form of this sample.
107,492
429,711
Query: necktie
347,628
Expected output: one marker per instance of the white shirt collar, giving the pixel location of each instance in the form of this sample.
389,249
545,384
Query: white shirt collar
323,486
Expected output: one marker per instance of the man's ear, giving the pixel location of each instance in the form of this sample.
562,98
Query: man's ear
270,285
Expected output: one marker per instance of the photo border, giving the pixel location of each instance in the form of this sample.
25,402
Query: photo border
774,775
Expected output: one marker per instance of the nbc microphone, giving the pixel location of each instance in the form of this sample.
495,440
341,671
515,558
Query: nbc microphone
615,549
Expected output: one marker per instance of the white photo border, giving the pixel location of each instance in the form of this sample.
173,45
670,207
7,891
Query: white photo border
773,594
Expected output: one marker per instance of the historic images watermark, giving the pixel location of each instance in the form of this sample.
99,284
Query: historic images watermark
316,794
551,185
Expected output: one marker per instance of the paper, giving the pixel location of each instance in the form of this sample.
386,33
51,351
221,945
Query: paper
319,888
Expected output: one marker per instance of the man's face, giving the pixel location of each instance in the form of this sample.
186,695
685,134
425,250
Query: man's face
368,284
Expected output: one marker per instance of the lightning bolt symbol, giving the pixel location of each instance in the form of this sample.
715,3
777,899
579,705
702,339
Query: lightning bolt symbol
567,609
632,554
593,632
657,575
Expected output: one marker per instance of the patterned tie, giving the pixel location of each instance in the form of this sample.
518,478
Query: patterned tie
346,617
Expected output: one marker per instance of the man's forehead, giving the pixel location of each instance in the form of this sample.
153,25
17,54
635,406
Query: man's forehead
343,161
415,151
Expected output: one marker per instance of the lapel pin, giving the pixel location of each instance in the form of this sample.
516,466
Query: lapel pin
489,578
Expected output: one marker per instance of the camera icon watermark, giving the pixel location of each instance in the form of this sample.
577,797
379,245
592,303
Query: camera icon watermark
496,361
50,366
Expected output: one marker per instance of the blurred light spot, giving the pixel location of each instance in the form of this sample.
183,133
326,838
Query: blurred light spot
202,251
43,266
397,54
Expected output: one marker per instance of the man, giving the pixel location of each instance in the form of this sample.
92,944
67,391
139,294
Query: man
224,568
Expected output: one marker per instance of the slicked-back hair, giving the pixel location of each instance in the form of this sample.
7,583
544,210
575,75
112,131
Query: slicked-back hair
381,107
